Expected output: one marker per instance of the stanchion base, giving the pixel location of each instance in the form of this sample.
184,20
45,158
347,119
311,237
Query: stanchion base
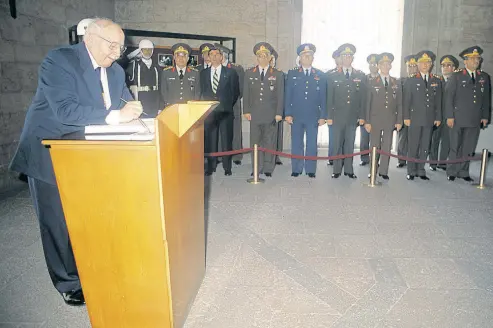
479,186
253,181
377,184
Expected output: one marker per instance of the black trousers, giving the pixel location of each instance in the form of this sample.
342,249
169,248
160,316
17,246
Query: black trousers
419,139
219,125
54,236
463,143
265,136
402,147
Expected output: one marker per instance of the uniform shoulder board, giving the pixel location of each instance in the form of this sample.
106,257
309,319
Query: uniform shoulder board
167,68
415,75
459,70
192,68
296,67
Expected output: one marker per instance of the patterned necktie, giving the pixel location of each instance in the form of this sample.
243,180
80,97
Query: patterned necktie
98,73
472,78
181,74
262,75
215,81
347,74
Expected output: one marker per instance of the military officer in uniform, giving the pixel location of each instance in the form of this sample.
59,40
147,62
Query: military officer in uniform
440,139
204,50
179,83
383,109
364,141
305,109
402,146
280,125
237,128
467,108
143,79
337,59
345,102
422,109
263,105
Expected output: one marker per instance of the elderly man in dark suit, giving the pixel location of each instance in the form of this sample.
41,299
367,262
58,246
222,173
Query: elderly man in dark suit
219,83
78,85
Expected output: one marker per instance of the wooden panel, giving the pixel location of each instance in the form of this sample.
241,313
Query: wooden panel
111,199
180,135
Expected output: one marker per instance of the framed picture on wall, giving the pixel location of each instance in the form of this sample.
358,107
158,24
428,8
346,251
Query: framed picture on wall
194,60
165,60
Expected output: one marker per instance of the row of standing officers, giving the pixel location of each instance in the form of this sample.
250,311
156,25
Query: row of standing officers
430,112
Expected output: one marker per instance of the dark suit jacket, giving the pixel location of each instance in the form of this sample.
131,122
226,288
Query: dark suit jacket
67,99
228,89
422,104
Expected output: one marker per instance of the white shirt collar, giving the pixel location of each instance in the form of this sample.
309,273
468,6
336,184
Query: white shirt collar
184,70
470,72
93,61
344,69
263,68
385,76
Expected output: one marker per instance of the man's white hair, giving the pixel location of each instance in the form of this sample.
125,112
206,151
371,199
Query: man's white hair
97,24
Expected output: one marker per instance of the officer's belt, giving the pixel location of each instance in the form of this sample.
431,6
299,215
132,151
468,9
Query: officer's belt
147,88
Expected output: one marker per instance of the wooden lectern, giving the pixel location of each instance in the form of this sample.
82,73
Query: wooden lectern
135,215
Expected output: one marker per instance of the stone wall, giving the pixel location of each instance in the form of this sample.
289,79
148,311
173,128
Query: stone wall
40,25
448,27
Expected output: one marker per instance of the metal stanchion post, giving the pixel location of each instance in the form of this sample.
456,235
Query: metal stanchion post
482,172
255,179
373,169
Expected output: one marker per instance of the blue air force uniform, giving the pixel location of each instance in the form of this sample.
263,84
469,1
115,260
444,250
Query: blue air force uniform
305,101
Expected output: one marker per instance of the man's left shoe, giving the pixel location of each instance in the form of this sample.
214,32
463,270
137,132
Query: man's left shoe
468,179
268,175
278,162
384,176
237,162
311,175
424,177
363,163
228,172
350,175
74,298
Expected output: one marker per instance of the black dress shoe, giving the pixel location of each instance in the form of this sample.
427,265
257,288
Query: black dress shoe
384,176
311,175
433,168
208,173
468,179
74,297
330,163
268,175
278,162
410,177
451,178
350,175
237,162
294,174
363,163
401,165
228,172
335,175
424,177
441,167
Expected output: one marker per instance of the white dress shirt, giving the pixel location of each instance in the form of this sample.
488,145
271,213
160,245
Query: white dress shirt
184,70
307,68
218,70
350,69
113,116
385,77
263,68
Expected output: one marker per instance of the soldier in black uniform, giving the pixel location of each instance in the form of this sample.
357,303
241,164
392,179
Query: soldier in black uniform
467,107
179,83
364,140
280,125
143,79
345,103
422,109
402,146
440,139
337,59
204,50
263,104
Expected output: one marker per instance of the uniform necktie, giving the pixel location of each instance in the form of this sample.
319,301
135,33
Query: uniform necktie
386,83
181,74
306,72
472,78
215,81
262,75
426,81
347,74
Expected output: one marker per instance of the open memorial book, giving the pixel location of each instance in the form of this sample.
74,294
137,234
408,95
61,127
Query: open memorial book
134,130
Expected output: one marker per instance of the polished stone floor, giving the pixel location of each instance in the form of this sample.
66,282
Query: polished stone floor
300,252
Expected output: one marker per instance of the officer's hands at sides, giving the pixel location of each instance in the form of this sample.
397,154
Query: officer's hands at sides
484,122
289,119
450,122
248,116
407,122
321,122
437,123
329,122
368,127
131,111
398,126
278,118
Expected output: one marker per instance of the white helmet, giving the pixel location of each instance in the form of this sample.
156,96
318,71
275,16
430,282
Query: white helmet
82,26
146,44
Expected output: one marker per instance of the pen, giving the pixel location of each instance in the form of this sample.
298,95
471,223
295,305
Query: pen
141,122
127,102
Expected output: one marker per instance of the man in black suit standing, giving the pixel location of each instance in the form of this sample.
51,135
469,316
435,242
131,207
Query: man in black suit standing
219,83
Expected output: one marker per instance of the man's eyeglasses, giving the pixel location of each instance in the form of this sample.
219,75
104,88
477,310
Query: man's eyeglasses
114,45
